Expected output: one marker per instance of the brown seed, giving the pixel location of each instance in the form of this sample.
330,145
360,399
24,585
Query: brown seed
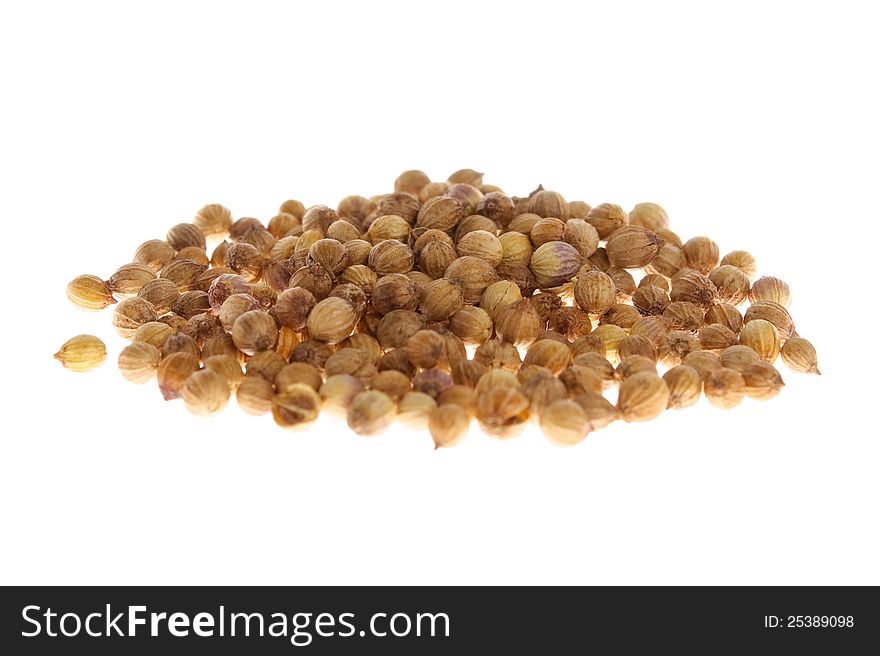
799,354
154,254
393,383
634,364
472,325
654,328
503,411
656,280
414,410
183,235
578,209
595,292
298,373
548,353
622,315
296,407
624,283
130,314
441,299
432,382
588,344
643,396
742,260
205,393
161,293
668,261
762,380
518,323
482,244
193,253
400,203
180,343
184,273
367,344
636,345
582,236
468,372
549,204
337,393
265,364
436,256
599,411
461,395
246,260
739,357
82,353
442,213
771,289
154,333
411,181
648,215
293,307
546,230
732,284
228,367
282,224
362,276
717,337
173,372
496,206
606,218
213,220
598,364
683,315
254,395
701,253
320,218
331,320
761,336
579,380
555,263
473,275
772,312
632,247
570,323
685,386
357,251
650,300
293,207
725,388
564,423
254,331
610,335
129,278
390,226
703,362
370,413
425,349
343,231
448,425
520,275
90,293
240,227
191,303
222,344
497,296
691,286
675,346
726,315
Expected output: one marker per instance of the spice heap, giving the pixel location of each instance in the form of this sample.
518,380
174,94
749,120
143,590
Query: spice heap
441,303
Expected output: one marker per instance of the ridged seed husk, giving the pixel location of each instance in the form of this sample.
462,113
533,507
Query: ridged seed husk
642,397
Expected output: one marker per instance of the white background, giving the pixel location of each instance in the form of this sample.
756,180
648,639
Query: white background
754,124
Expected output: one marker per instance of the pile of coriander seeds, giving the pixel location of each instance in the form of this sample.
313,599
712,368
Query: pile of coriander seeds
442,303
